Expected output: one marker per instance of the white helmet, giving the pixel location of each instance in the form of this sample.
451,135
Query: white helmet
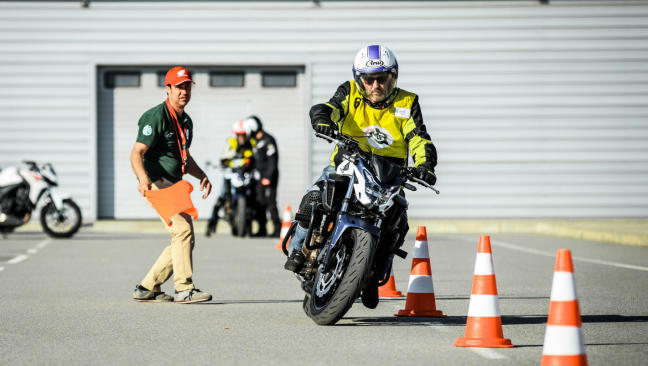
253,123
375,59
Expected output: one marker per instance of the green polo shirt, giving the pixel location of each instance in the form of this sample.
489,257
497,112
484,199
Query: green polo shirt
155,130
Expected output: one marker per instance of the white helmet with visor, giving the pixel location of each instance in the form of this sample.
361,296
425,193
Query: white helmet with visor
375,61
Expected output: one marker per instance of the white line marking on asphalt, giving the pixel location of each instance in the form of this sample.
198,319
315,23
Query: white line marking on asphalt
32,251
547,254
17,259
42,244
488,353
1,269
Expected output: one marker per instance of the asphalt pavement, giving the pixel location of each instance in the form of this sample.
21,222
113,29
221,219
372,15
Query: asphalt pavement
69,302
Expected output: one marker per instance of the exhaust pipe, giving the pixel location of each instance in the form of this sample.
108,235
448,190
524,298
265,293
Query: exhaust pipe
9,220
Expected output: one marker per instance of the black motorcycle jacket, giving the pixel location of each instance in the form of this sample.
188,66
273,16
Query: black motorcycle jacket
266,157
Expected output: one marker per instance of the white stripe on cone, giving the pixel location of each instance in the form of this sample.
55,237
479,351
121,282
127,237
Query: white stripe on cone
420,284
287,216
483,306
563,341
484,264
563,287
421,249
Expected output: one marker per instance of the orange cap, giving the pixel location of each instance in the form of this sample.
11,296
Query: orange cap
484,244
421,233
564,261
177,76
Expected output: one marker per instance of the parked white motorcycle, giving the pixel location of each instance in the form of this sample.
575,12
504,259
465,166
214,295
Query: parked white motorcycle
20,192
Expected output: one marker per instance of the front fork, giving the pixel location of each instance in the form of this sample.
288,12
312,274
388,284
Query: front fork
51,195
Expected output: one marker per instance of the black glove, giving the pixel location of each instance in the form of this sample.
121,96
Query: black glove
426,173
325,128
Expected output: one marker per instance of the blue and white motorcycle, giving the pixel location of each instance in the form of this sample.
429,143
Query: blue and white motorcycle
357,223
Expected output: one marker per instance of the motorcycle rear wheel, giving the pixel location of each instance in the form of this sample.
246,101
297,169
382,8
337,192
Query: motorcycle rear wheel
349,271
62,224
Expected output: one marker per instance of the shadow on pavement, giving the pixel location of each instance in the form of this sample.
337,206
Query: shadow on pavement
587,344
542,319
234,302
506,320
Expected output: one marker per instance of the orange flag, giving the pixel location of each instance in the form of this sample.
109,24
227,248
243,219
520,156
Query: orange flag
173,200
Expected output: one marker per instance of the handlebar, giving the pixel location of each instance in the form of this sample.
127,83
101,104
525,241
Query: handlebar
350,144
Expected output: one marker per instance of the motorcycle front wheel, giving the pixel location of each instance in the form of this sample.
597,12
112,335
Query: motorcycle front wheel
61,224
336,289
241,216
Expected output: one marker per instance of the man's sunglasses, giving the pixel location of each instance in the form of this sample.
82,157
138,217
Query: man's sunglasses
369,79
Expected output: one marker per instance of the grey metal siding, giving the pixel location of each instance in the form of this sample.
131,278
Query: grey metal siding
536,110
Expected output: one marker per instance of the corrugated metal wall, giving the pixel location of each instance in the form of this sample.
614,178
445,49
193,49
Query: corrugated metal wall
536,110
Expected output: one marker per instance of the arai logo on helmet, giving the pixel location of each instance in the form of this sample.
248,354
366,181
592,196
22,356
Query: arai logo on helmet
374,63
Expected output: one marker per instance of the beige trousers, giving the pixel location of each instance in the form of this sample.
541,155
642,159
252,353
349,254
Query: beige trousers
176,259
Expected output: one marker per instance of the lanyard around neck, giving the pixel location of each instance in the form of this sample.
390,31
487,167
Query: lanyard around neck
180,135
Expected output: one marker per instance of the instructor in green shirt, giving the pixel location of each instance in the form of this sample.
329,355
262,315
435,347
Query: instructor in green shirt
159,159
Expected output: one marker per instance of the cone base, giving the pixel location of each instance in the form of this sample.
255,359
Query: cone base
421,313
563,360
390,294
483,342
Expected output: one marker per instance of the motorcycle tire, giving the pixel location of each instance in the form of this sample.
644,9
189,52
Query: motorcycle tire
241,216
50,210
329,309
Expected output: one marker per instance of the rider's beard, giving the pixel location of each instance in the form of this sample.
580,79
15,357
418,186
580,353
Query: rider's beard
377,95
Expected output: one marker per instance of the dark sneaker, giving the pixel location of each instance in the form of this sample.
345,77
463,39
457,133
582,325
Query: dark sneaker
295,261
370,296
189,296
143,294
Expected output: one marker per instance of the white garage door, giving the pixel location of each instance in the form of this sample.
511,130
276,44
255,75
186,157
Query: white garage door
221,96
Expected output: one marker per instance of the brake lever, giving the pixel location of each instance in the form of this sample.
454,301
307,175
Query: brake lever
409,173
325,137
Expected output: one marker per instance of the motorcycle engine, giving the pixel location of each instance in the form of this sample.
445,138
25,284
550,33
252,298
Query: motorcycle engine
17,205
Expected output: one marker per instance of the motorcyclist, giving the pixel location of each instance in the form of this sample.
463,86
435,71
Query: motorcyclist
384,119
238,153
266,157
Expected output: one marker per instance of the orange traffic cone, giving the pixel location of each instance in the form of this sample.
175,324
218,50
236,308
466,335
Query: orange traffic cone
563,342
389,289
484,324
286,220
420,291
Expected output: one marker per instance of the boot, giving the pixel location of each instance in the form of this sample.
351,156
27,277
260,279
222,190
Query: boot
262,231
295,261
370,296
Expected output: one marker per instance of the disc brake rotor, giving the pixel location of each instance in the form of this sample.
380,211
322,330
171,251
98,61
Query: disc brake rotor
327,280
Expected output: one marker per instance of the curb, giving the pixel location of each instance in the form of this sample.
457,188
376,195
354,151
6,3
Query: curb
633,232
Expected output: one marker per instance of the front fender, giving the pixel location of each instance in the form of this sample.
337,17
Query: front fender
346,221
57,198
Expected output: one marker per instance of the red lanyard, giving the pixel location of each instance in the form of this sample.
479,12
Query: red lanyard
180,135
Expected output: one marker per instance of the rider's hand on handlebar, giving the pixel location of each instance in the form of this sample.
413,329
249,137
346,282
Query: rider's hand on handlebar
324,128
426,173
